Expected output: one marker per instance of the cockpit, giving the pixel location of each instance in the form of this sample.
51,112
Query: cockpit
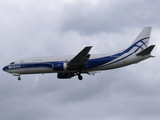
12,63
17,62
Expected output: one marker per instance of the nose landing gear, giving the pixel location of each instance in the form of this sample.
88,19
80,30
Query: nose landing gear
19,78
17,74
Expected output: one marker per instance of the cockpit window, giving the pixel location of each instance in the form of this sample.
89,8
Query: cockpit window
12,63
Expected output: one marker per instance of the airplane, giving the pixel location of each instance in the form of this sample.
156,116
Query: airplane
69,66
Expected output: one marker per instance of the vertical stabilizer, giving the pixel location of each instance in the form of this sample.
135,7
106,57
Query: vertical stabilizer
141,42
144,36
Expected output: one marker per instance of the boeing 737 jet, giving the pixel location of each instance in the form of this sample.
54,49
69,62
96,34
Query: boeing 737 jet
83,62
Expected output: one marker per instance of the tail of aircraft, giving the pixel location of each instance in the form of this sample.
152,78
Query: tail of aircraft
144,36
141,42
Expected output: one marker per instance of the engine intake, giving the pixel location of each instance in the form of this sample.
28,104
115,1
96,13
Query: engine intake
58,66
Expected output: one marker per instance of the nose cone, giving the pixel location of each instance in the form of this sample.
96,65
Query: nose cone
5,68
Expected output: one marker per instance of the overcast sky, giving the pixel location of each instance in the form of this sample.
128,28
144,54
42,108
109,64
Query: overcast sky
31,28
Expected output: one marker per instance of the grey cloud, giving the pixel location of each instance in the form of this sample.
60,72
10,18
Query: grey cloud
128,93
91,19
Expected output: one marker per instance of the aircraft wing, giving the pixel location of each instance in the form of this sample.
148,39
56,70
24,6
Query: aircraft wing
80,60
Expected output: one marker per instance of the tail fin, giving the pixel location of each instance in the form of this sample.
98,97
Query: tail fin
144,36
141,42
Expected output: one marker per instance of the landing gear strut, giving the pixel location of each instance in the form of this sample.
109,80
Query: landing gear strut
19,78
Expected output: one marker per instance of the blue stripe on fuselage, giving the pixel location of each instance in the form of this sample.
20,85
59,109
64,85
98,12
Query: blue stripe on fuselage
135,44
27,65
100,61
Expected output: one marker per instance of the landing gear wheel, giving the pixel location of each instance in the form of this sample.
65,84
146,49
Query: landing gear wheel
19,78
80,77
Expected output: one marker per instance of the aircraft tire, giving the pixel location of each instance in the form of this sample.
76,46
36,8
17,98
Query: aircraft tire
80,77
19,78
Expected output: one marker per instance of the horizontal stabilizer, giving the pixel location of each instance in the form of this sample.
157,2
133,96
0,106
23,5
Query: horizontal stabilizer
146,51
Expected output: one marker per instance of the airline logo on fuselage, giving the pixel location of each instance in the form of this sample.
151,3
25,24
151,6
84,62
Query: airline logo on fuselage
14,66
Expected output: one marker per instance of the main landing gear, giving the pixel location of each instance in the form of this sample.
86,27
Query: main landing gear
80,77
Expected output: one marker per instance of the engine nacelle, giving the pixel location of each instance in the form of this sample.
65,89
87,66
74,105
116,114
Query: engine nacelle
58,66
65,75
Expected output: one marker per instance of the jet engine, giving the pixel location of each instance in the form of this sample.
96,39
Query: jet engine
58,66
65,75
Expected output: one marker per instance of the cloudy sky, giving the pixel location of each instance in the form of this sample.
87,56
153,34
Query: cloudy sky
31,28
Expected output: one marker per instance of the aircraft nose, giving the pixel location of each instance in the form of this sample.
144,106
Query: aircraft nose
5,68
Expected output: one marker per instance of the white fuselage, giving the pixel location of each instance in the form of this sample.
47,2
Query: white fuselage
69,66
45,64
